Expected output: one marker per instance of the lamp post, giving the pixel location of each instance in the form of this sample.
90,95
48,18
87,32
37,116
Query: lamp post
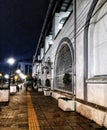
1,80
10,61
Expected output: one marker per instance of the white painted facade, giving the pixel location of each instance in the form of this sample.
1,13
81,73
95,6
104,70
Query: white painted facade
88,55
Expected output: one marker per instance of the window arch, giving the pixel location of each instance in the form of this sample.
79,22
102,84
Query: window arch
95,40
64,64
98,43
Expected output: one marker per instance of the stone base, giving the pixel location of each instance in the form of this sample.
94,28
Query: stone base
4,95
66,105
35,87
13,89
57,95
100,117
47,92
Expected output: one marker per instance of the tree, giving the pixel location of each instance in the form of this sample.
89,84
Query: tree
67,79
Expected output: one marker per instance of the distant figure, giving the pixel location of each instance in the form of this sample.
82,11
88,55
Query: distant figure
20,87
35,81
17,87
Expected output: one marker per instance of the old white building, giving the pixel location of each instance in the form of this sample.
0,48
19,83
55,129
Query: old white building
73,40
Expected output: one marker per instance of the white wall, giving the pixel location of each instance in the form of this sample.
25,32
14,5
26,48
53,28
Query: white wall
97,93
82,11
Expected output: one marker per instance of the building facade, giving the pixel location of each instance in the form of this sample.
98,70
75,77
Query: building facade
73,41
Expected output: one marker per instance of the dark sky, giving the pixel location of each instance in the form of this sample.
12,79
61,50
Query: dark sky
20,26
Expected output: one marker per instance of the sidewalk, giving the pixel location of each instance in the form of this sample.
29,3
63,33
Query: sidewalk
51,117
34,111
13,115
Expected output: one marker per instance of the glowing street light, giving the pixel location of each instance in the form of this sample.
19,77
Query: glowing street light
16,77
10,61
22,76
1,74
18,71
1,78
6,76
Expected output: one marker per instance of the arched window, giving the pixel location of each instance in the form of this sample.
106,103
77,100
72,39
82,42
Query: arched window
64,65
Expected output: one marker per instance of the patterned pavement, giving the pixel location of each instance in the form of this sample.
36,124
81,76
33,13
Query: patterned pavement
13,115
51,117
34,111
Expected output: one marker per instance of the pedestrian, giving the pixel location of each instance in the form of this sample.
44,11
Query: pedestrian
20,87
17,88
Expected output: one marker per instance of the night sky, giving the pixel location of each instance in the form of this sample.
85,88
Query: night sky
20,26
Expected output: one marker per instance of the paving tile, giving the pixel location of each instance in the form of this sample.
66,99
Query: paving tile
40,116
43,123
52,122
62,128
46,128
94,125
61,123
86,127
14,115
78,128
59,120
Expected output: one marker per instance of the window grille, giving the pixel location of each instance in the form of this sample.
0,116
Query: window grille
64,65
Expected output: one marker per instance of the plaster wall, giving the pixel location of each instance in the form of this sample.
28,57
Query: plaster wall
79,67
82,11
97,93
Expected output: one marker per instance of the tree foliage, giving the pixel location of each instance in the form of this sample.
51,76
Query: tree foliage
67,78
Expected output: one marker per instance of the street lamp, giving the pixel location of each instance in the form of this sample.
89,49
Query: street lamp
10,61
18,71
6,76
1,79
